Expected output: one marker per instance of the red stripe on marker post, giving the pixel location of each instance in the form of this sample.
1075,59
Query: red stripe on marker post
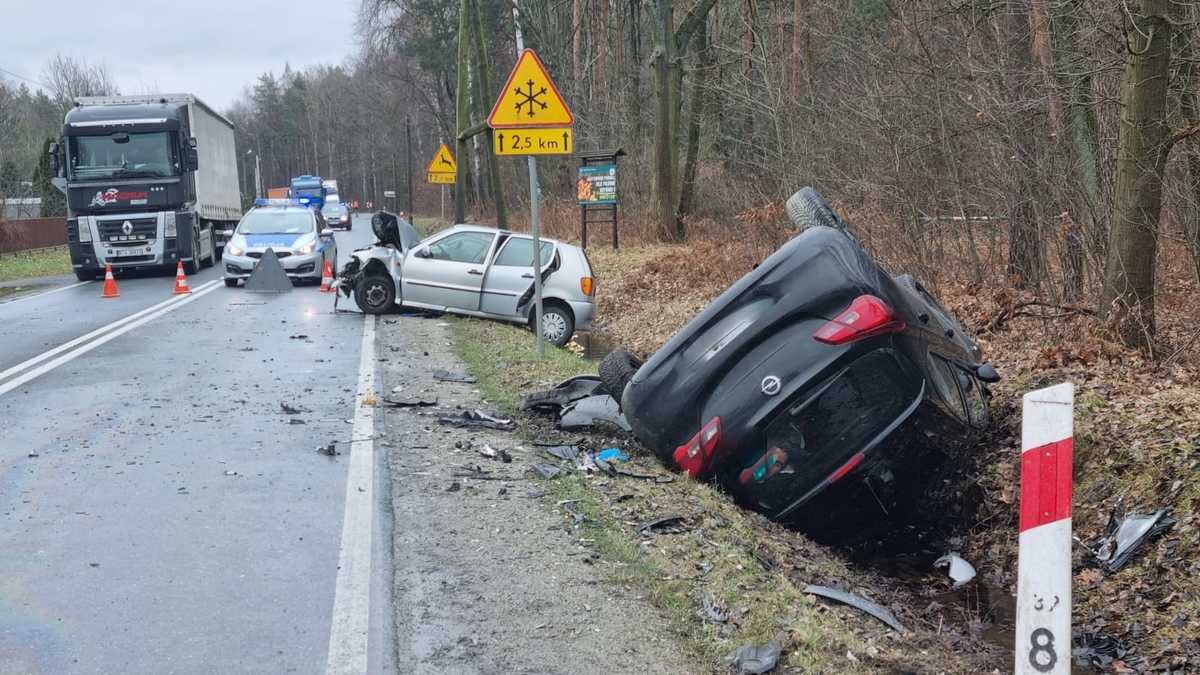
1044,560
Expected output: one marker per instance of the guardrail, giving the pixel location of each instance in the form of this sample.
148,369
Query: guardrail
30,233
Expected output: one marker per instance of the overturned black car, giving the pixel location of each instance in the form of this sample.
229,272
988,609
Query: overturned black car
815,368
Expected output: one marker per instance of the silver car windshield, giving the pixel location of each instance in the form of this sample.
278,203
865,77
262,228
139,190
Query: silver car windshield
276,222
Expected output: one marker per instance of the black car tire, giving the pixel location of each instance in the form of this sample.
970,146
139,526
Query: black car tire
375,294
616,370
192,266
231,283
807,208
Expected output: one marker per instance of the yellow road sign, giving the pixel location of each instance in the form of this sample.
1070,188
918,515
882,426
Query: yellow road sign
558,141
529,99
442,168
441,178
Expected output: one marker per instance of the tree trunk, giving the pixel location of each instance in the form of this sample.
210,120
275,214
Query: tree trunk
1189,106
486,98
1024,240
687,189
1143,146
462,97
664,137
1039,25
577,44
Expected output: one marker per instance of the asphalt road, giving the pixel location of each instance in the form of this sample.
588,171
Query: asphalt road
159,511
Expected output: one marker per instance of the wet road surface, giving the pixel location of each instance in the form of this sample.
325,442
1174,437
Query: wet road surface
160,511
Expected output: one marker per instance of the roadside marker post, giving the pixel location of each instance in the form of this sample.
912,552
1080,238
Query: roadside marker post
1043,641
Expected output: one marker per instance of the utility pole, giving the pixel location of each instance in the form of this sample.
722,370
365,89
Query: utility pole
408,141
534,215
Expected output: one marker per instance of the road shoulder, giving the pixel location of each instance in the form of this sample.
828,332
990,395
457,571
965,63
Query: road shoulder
488,578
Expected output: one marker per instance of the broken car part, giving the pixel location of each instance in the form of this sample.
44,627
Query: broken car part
1125,536
476,419
546,470
563,393
960,570
443,375
876,610
665,525
754,659
587,411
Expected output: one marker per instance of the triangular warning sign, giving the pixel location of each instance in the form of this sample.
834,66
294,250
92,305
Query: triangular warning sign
442,162
529,98
268,275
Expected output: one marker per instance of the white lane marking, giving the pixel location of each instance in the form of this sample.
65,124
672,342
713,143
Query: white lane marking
171,306
45,293
348,632
103,329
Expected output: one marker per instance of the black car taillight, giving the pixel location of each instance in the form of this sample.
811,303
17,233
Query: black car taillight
695,456
866,316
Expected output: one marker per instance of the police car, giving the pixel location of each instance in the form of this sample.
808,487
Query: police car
295,231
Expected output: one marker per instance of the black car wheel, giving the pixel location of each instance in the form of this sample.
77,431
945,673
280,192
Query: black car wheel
375,293
807,208
616,370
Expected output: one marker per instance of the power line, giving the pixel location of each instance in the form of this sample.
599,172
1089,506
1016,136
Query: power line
22,77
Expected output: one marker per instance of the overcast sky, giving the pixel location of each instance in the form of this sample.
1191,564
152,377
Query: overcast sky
210,48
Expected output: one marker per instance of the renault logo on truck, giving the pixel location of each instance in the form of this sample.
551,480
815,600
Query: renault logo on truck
127,227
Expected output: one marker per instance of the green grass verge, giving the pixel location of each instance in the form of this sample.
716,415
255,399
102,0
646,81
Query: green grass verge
504,358
40,262
721,555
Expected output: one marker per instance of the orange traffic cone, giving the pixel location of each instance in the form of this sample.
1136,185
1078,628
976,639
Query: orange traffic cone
110,284
327,278
181,287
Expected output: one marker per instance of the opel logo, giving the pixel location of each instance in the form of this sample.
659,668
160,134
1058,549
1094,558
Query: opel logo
771,385
127,227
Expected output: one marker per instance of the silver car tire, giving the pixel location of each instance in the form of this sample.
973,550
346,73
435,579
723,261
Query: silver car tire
375,294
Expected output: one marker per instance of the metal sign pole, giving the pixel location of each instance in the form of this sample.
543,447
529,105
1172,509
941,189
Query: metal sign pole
534,215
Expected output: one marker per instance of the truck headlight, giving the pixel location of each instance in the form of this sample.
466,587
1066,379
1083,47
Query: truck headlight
169,224
85,228
307,248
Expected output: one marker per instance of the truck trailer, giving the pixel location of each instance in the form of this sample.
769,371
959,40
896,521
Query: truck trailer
150,181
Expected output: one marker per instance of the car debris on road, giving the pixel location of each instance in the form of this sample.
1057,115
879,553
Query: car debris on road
862,604
1125,536
443,375
960,571
754,659
477,419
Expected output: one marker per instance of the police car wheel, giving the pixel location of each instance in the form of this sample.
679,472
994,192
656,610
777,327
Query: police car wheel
375,293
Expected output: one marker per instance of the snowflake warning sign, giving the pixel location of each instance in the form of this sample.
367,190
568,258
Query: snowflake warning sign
529,98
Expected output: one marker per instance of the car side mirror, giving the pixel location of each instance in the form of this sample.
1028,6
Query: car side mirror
53,158
193,158
423,252
986,372
327,233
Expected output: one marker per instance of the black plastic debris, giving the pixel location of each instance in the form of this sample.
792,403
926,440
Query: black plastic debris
1099,650
876,610
410,401
571,506
567,452
664,525
291,409
477,419
454,487
587,411
329,450
754,659
563,393
546,470
1125,536
447,376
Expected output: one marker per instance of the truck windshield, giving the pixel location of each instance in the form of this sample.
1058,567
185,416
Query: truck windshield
121,155
276,222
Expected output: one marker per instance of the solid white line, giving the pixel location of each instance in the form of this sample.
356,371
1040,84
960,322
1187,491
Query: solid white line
171,306
103,329
45,293
348,631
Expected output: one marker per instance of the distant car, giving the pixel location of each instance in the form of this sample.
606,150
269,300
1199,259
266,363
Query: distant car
336,214
814,368
476,271
296,233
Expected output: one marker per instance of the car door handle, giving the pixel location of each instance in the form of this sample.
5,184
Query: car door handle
475,272
527,276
